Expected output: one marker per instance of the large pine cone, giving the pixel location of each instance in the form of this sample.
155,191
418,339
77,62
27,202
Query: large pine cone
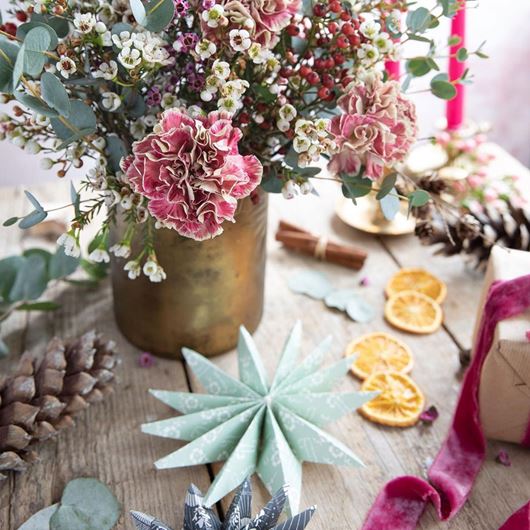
474,234
44,393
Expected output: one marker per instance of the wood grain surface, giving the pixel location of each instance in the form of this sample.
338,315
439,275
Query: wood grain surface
106,442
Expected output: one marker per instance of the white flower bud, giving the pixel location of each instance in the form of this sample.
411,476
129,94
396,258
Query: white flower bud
32,147
46,163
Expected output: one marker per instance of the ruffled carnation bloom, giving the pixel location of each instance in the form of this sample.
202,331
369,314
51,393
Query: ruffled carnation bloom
192,173
377,128
269,17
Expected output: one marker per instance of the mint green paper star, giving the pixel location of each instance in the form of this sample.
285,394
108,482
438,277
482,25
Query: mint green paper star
257,427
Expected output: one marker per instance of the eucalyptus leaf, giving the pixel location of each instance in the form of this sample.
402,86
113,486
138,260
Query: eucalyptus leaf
160,13
34,104
312,283
86,504
115,150
25,28
8,272
96,271
339,298
418,66
442,88
138,11
419,198
40,520
462,55
11,221
33,200
54,94
355,187
418,20
32,219
390,205
271,183
8,56
360,310
82,121
59,24
31,279
75,198
121,26
61,265
31,58
44,254
387,186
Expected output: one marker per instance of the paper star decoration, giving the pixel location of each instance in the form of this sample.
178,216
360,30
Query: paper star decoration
239,515
259,427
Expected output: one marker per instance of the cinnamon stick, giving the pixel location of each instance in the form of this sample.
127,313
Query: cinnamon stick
298,239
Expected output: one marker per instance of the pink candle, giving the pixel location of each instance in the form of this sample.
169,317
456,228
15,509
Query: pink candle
455,106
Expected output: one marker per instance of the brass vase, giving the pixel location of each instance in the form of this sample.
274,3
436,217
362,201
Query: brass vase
212,287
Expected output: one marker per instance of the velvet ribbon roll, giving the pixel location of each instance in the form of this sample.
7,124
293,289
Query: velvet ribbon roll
403,500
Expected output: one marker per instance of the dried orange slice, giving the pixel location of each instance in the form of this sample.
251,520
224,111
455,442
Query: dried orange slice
399,403
418,280
414,312
379,352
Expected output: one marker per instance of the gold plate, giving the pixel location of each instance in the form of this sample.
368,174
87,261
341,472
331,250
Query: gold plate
367,216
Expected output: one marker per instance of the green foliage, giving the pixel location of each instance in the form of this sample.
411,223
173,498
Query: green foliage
419,66
419,198
31,279
86,504
115,150
61,265
31,57
264,94
25,28
354,187
271,182
54,94
154,15
35,217
419,20
442,88
82,122
35,104
11,221
386,186
462,55
58,24
8,56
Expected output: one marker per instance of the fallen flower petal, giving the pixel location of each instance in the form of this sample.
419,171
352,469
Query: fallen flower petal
146,360
503,458
429,415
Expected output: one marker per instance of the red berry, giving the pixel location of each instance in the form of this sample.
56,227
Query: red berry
293,30
348,29
345,16
333,27
335,6
330,63
356,23
22,16
305,70
286,72
323,92
342,42
10,28
331,96
244,118
339,58
346,81
319,10
261,107
328,81
354,40
265,125
313,78
320,64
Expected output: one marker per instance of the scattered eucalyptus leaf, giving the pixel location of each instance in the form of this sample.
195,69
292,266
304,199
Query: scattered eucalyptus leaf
339,298
360,310
312,283
39,306
41,519
390,205
86,504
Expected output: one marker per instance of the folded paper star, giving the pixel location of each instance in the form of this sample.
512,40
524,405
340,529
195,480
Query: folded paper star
259,427
239,515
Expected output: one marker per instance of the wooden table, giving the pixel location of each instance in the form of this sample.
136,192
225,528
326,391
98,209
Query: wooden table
107,443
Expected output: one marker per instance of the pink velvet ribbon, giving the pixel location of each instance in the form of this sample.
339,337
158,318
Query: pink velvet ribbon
403,500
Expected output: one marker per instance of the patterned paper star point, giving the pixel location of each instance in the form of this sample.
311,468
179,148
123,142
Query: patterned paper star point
257,427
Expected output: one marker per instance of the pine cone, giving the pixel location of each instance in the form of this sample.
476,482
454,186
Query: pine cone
41,397
475,233
433,184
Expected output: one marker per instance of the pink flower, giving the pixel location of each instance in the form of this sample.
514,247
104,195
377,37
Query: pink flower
191,172
269,17
146,360
377,129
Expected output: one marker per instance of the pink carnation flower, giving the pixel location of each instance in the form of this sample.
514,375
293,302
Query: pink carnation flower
192,173
377,129
269,16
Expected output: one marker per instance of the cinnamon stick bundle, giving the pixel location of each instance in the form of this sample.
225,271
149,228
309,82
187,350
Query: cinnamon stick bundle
300,240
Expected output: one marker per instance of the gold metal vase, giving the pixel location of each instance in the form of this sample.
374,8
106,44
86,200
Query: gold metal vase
212,287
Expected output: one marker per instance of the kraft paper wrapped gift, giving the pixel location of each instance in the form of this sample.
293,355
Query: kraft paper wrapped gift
504,393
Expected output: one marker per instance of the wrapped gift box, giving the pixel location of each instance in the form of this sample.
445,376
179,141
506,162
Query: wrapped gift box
504,392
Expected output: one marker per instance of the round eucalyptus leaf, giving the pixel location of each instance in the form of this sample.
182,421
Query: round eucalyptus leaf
390,205
31,279
34,104
86,504
339,298
159,14
32,219
61,265
360,310
40,520
8,272
312,283
54,93
81,122
8,58
25,28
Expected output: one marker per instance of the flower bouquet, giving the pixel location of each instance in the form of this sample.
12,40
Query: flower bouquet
183,110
